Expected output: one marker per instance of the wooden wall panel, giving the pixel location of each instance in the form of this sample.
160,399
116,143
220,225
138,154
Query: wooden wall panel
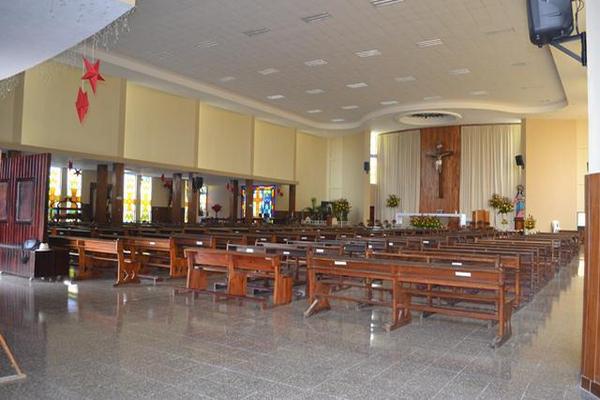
35,168
449,137
590,352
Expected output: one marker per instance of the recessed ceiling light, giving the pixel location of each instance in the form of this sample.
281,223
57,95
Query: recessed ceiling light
478,93
316,17
459,71
428,98
338,120
352,107
227,78
315,91
256,32
206,44
430,43
268,71
368,53
356,85
315,63
314,111
406,79
275,97
389,102
499,31
383,3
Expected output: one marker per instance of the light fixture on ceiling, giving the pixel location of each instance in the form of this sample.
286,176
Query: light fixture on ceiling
409,78
500,31
275,97
317,17
478,93
429,98
368,53
389,102
316,111
227,78
383,3
357,85
460,71
206,44
256,32
429,43
352,107
338,120
428,118
315,63
315,91
268,71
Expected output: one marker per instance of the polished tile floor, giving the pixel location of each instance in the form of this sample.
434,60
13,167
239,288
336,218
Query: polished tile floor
93,341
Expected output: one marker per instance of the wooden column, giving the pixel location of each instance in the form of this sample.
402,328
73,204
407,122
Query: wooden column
100,216
292,201
193,201
117,194
235,200
590,354
249,200
176,202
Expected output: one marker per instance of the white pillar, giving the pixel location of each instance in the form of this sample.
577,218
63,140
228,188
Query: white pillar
593,43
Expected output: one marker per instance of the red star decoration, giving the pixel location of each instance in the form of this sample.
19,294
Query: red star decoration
92,73
82,104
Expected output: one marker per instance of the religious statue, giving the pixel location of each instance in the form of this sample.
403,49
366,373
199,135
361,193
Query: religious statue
438,163
519,202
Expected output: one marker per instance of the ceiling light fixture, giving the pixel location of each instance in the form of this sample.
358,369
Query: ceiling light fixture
352,107
315,91
460,71
338,120
368,53
383,3
256,32
357,85
268,71
389,102
428,98
206,44
275,97
478,93
227,78
406,79
314,111
429,43
315,63
317,17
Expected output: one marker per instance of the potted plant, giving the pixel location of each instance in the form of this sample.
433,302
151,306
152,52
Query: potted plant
426,222
341,209
393,202
501,205
529,224
216,208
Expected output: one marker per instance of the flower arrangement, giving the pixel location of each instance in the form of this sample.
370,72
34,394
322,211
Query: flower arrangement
502,204
341,209
426,222
392,201
529,222
216,208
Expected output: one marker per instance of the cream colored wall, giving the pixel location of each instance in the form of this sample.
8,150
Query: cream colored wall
49,116
551,172
11,107
311,169
582,161
224,141
274,151
218,194
160,127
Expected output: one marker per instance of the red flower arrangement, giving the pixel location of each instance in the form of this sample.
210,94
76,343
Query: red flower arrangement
216,208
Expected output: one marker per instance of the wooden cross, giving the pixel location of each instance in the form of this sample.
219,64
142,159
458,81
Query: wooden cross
438,163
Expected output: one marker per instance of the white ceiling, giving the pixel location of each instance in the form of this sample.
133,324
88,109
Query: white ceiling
32,31
171,45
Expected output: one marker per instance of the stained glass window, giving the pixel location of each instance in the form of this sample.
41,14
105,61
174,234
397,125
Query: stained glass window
74,188
263,202
54,190
146,199
130,198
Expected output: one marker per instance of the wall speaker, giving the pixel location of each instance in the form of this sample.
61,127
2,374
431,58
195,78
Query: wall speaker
520,161
367,167
549,20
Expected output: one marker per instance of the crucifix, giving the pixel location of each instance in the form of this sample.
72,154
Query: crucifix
438,163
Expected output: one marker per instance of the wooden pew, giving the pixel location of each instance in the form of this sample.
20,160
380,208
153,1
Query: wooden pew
238,267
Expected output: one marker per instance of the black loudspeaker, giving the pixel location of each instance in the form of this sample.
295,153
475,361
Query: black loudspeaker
367,167
549,20
519,160
197,183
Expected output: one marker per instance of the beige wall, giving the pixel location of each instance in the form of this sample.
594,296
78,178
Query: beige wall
274,151
50,119
224,141
160,127
551,172
311,169
218,194
11,107
582,161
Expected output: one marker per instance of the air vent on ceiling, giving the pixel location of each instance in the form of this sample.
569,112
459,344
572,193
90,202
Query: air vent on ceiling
383,3
429,118
256,32
316,17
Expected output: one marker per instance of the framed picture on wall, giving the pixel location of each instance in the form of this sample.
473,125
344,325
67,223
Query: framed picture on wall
25,201
3,201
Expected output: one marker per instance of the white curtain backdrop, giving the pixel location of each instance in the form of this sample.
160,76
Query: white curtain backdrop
398,172
488,165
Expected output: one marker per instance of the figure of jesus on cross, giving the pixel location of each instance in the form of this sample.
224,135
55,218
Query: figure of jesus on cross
438,163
